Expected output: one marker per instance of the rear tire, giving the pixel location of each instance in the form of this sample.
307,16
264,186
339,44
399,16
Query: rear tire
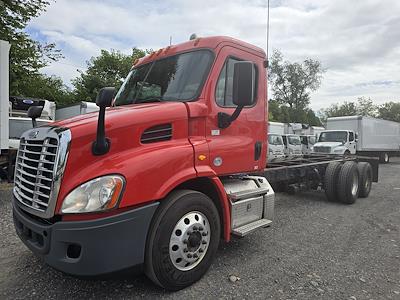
331,180
183,239
348,183
365,183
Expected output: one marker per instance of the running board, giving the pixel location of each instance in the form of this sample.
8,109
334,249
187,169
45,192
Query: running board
248,228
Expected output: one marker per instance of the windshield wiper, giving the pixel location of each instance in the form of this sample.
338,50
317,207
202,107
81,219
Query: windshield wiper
149,99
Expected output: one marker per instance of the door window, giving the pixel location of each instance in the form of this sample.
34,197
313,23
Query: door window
351,136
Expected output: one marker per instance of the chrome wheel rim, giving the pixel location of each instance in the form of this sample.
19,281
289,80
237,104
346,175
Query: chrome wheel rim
189,241
354,187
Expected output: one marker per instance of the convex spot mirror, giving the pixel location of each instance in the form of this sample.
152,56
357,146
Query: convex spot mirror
35,112
105,97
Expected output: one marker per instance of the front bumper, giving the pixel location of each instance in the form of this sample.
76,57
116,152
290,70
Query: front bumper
88,248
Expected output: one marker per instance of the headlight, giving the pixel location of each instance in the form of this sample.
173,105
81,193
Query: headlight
98,194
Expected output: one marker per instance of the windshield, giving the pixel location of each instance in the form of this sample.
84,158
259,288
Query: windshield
333,136
176,78
294,140
275,139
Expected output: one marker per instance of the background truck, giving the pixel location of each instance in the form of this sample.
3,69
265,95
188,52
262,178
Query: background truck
307,144
13,116
167,167
276,148
76,109
360,135
293,147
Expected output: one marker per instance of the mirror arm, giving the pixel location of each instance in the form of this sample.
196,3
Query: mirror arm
102,144
225,120
34,123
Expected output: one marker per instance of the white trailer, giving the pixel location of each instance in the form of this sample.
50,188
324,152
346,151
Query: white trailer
362,136
276,128
76,109
13,116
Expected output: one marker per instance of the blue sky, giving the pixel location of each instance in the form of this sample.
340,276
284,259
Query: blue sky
358,42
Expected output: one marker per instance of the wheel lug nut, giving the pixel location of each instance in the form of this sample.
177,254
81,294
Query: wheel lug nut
201,228
204,233
195,255
194,228
189,255
185,250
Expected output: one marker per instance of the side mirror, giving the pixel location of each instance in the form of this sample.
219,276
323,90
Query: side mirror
104,99
243,83
34,112
243,91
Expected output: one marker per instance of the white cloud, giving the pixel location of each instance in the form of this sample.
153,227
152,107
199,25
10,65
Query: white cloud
358,41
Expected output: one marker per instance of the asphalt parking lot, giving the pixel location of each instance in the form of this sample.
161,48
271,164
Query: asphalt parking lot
315,250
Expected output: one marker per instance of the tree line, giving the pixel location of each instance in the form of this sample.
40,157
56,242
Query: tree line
291,82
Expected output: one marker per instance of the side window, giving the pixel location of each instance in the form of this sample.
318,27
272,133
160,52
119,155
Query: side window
351,136
224,90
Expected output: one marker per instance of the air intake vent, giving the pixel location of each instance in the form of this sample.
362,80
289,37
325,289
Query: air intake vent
157,133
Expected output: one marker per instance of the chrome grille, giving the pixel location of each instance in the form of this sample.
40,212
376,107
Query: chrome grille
322,149
39,168
34,172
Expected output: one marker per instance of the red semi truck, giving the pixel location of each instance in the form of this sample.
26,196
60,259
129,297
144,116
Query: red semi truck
172,163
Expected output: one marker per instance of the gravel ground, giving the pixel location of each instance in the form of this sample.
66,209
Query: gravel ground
315,250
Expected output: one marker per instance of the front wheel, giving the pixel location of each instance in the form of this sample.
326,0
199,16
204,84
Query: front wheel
183,239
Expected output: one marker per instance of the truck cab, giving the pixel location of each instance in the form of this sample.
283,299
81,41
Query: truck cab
276,148
338,142
161,173
307,143
292,145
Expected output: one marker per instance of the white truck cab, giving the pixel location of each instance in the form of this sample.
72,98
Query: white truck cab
307,143
276,148
292,145
339,142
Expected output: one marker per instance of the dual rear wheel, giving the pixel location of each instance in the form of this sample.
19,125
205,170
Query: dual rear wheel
348,181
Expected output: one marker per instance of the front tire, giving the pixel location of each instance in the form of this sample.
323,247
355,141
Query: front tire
183,239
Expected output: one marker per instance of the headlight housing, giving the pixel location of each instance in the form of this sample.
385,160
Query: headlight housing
96,195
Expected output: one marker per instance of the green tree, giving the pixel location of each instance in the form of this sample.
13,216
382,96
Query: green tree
108,69
26,55
48,87
292,83
389,111
363,107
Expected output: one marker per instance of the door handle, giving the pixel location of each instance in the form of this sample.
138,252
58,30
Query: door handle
257,150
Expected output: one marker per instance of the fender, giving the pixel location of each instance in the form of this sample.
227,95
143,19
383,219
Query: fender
226,213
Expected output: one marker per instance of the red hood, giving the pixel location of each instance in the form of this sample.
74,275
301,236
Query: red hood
124,127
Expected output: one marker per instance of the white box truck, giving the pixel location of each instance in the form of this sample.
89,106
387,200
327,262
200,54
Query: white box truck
76,109
13,116
276,148
360,135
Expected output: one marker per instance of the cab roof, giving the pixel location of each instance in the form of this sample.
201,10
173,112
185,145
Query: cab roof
212,43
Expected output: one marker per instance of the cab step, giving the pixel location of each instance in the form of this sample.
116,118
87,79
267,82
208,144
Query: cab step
248,228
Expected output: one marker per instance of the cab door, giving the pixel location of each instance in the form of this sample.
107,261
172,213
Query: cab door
241,147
